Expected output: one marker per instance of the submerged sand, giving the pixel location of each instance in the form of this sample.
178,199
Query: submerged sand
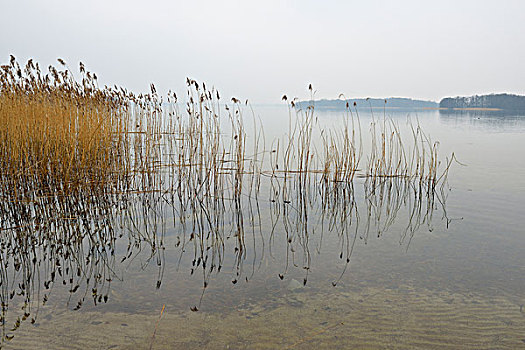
338,318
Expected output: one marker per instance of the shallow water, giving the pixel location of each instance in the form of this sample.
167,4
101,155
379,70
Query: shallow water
456,281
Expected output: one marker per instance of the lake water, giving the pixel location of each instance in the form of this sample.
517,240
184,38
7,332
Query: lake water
392,270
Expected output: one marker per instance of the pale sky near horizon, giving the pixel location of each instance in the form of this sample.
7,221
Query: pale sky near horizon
260,50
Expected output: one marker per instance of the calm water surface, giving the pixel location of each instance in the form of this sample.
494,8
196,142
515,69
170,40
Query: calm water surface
454,281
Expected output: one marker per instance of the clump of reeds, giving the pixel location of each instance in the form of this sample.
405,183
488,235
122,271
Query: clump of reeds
55,129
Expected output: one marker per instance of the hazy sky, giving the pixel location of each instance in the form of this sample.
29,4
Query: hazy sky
262,49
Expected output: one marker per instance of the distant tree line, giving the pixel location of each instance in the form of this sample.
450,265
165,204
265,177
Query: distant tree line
500,101
392,102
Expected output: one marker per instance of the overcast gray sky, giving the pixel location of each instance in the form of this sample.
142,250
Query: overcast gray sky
262,49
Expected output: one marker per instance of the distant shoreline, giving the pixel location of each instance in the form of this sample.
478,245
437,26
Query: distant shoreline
464,109
483,103
479,109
